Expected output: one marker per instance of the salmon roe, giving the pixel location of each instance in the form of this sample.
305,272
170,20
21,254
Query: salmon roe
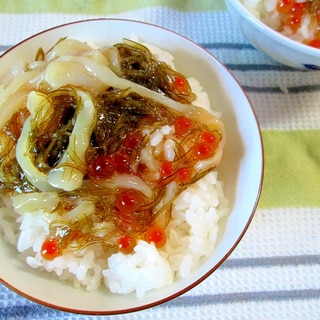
293,13
157,235
50,249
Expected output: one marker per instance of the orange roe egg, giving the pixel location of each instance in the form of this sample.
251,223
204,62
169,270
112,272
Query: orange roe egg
284,6
157,235
50,249
128,201
122,162
126,244
182,126
184,175
166,169
102,167
293,22
315,43
299,9
181,84
211,138
203,151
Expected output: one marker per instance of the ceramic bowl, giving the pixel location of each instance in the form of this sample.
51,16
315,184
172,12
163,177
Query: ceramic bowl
277,46
241,168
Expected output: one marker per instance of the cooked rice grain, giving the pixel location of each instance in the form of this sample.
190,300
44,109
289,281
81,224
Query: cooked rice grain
191,233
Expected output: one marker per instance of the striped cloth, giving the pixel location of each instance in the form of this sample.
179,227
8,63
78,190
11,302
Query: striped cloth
274,273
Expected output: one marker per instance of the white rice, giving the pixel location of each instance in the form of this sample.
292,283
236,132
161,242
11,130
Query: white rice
191,236
265,10
191,233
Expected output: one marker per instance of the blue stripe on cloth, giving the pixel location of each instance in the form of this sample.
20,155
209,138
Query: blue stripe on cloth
240,297
261,67
291,90
271,261
231,46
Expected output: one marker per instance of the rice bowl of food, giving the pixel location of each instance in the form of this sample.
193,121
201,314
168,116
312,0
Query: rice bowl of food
287,31
131,166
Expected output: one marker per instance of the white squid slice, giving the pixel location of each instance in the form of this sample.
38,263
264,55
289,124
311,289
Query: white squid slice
127,181
35,202
69,172
24,158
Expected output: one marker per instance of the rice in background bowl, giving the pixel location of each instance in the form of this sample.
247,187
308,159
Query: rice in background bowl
192,61
262,25
298,20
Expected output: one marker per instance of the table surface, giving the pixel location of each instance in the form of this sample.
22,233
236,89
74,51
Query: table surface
274,273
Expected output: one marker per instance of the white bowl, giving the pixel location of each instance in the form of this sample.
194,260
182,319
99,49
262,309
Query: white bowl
241,169
277,46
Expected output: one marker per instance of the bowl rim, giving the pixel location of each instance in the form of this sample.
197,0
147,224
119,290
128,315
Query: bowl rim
277,36
244,229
